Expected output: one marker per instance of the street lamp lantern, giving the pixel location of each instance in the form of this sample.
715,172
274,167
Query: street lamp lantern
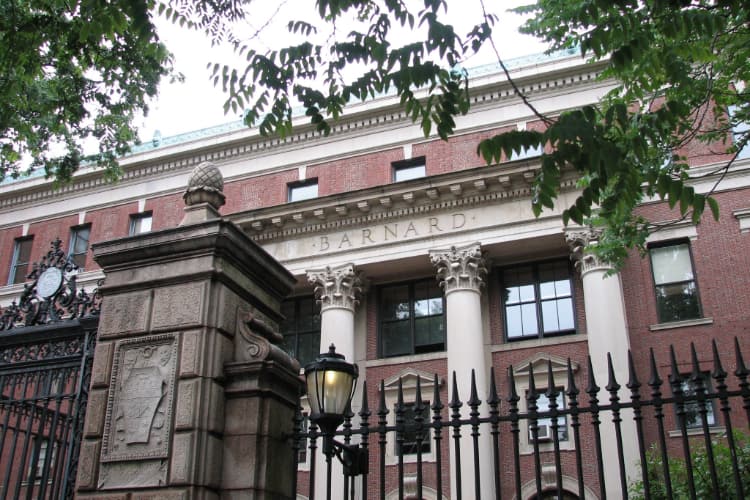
330,384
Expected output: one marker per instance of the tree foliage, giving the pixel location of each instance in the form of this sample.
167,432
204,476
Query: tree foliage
700,471
72,71
678,66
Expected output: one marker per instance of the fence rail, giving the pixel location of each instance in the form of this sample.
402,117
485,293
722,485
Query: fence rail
548,443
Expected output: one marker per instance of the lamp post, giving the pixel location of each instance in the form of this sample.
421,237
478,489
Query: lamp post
330,384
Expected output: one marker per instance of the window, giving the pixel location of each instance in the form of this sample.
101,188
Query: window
692,408
140,223
301,328
411,318
538,300
304,428
79,245
526,153
36,469
409,169
303,190
19,266
545,424
674,281
739,131
410,444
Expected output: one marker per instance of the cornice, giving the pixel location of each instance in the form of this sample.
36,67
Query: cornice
418,197
383,113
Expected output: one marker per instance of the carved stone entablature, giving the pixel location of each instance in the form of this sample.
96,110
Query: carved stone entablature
460,268
52,294
338,287
578,241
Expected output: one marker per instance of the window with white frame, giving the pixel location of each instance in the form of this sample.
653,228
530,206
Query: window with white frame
692,409
538,300
739,132
79,244
544,425
19,266
302,190
409,169
675,286
526,153
411,446
140,223
540,365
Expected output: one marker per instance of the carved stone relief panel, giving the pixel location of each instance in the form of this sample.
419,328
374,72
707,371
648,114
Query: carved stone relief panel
117,475
139,409
178,305
125,313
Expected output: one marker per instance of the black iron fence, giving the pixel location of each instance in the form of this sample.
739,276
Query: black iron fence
46,352
690,423
44,379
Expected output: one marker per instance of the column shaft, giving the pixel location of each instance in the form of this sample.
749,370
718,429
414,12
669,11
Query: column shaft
607,330
461,272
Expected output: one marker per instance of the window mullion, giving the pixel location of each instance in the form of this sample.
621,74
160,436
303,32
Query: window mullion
412,323
538,301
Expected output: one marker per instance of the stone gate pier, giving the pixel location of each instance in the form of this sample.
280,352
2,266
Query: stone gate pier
190,395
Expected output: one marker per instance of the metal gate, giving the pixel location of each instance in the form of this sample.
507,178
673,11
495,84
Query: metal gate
46,352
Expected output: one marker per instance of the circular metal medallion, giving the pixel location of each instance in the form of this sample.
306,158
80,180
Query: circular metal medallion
49,282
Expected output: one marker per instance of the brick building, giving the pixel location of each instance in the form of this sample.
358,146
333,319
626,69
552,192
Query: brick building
370,214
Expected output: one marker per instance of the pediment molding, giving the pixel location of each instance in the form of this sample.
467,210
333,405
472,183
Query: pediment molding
540,362
409,377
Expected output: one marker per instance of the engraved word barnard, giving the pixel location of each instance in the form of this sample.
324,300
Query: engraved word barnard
394,231
138,422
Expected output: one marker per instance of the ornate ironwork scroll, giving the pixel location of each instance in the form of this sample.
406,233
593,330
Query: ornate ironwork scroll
52,294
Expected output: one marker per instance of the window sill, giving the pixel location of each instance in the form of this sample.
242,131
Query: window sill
681,324
409,459
698,431
525,344
408,358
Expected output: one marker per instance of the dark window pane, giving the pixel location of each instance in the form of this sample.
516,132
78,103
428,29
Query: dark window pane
396,338
309,347
429,334
301,328
309,317
411,444
22,256
24,250
395,302
693,408
677,302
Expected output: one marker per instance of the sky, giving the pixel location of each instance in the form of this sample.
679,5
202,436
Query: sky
196,104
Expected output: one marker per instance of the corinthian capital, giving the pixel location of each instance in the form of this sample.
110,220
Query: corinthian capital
460,268
579,240
339,286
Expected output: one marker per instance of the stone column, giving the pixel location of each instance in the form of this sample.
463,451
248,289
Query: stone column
190,396
461,272
607,332
338,291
